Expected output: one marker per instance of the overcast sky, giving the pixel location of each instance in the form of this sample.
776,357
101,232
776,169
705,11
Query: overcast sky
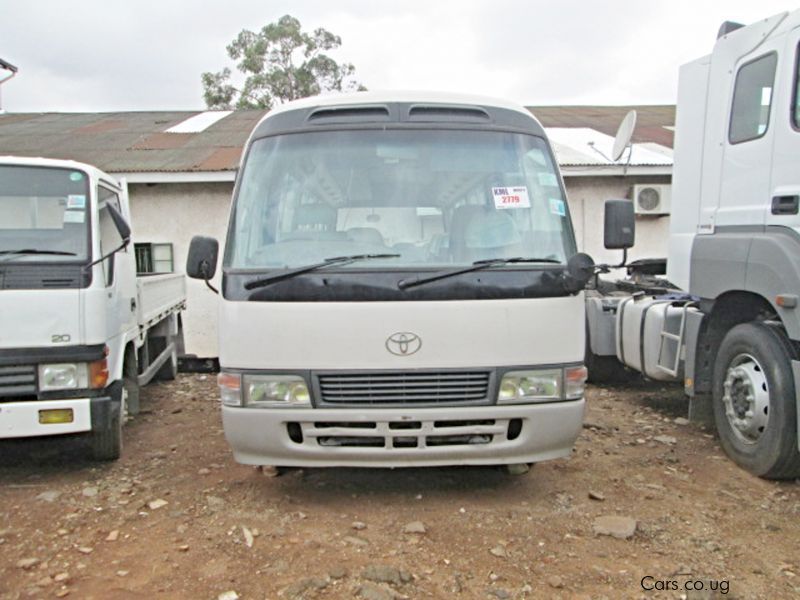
110,55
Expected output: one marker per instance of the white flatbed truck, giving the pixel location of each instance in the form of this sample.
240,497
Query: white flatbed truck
726,322
400,287
79,331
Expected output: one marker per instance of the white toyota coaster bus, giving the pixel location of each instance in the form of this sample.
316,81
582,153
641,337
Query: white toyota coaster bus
396,288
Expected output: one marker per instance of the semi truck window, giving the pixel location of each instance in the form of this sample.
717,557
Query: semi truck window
752,99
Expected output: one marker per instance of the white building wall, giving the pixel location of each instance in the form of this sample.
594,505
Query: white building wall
173,213
587,196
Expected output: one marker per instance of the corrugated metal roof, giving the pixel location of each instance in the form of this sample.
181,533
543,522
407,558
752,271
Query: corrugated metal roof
128,142
652,121
137,142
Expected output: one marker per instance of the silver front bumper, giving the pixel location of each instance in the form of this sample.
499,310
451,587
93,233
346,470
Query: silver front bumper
397,437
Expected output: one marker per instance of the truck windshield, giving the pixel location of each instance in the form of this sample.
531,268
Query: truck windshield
43,214
434,197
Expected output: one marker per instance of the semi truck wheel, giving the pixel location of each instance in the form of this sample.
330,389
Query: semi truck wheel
754,401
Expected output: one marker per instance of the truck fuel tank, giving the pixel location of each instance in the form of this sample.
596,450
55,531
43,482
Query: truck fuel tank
649,336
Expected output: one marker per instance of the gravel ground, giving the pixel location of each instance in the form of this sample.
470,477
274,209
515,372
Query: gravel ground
645,501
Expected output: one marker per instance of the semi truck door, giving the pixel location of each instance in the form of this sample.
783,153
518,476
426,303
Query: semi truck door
785,183
752,123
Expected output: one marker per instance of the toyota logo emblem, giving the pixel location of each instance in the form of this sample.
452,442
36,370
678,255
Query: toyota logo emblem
403,343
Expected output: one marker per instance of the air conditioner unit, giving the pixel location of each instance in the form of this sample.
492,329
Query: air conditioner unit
652,199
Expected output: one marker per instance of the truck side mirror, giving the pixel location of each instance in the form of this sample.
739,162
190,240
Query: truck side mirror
202,260
120,223
620,225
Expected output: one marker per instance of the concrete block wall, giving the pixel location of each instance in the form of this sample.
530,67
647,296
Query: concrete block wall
173,213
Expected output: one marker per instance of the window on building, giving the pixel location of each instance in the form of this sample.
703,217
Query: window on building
752,99
154,258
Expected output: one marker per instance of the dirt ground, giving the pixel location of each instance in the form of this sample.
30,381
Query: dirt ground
176,517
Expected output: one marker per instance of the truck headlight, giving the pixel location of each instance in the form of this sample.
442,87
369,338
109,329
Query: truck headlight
519,387
63,376
275,391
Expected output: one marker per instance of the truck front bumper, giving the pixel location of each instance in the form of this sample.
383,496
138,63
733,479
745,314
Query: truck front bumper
397,437
25,419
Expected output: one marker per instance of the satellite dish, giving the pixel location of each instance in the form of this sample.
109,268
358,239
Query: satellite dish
624,134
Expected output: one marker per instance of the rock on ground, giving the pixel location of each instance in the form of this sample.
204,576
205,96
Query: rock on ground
619,527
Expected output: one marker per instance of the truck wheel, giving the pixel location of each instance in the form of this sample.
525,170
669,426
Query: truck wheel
107,442
130,381
755,409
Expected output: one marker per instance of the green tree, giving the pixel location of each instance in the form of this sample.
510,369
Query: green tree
280,63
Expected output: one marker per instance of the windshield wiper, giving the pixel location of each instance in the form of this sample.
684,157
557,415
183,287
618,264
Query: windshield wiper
25,251
478,265
327,262
36,251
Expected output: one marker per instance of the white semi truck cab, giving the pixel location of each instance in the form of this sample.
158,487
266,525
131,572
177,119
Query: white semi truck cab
730,326
400,287
79,331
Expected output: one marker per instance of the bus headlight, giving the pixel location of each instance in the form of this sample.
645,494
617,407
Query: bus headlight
275,391
519,387
542,385
230,388
575,382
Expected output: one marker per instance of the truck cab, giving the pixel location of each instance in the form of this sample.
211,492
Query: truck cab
75,322
729,327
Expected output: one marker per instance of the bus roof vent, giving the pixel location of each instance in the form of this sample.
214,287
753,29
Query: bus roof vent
728,27
444,112
349,114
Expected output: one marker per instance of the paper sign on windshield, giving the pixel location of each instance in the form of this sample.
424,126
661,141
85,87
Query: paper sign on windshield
74,216
76,201
557,207
511,197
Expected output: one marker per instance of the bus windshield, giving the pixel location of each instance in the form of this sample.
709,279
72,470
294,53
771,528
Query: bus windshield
436,198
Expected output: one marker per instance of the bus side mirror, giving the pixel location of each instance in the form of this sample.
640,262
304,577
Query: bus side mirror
201,263
620,225
580,269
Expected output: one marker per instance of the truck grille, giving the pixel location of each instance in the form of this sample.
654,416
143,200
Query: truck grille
41,277
404,388
17,381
